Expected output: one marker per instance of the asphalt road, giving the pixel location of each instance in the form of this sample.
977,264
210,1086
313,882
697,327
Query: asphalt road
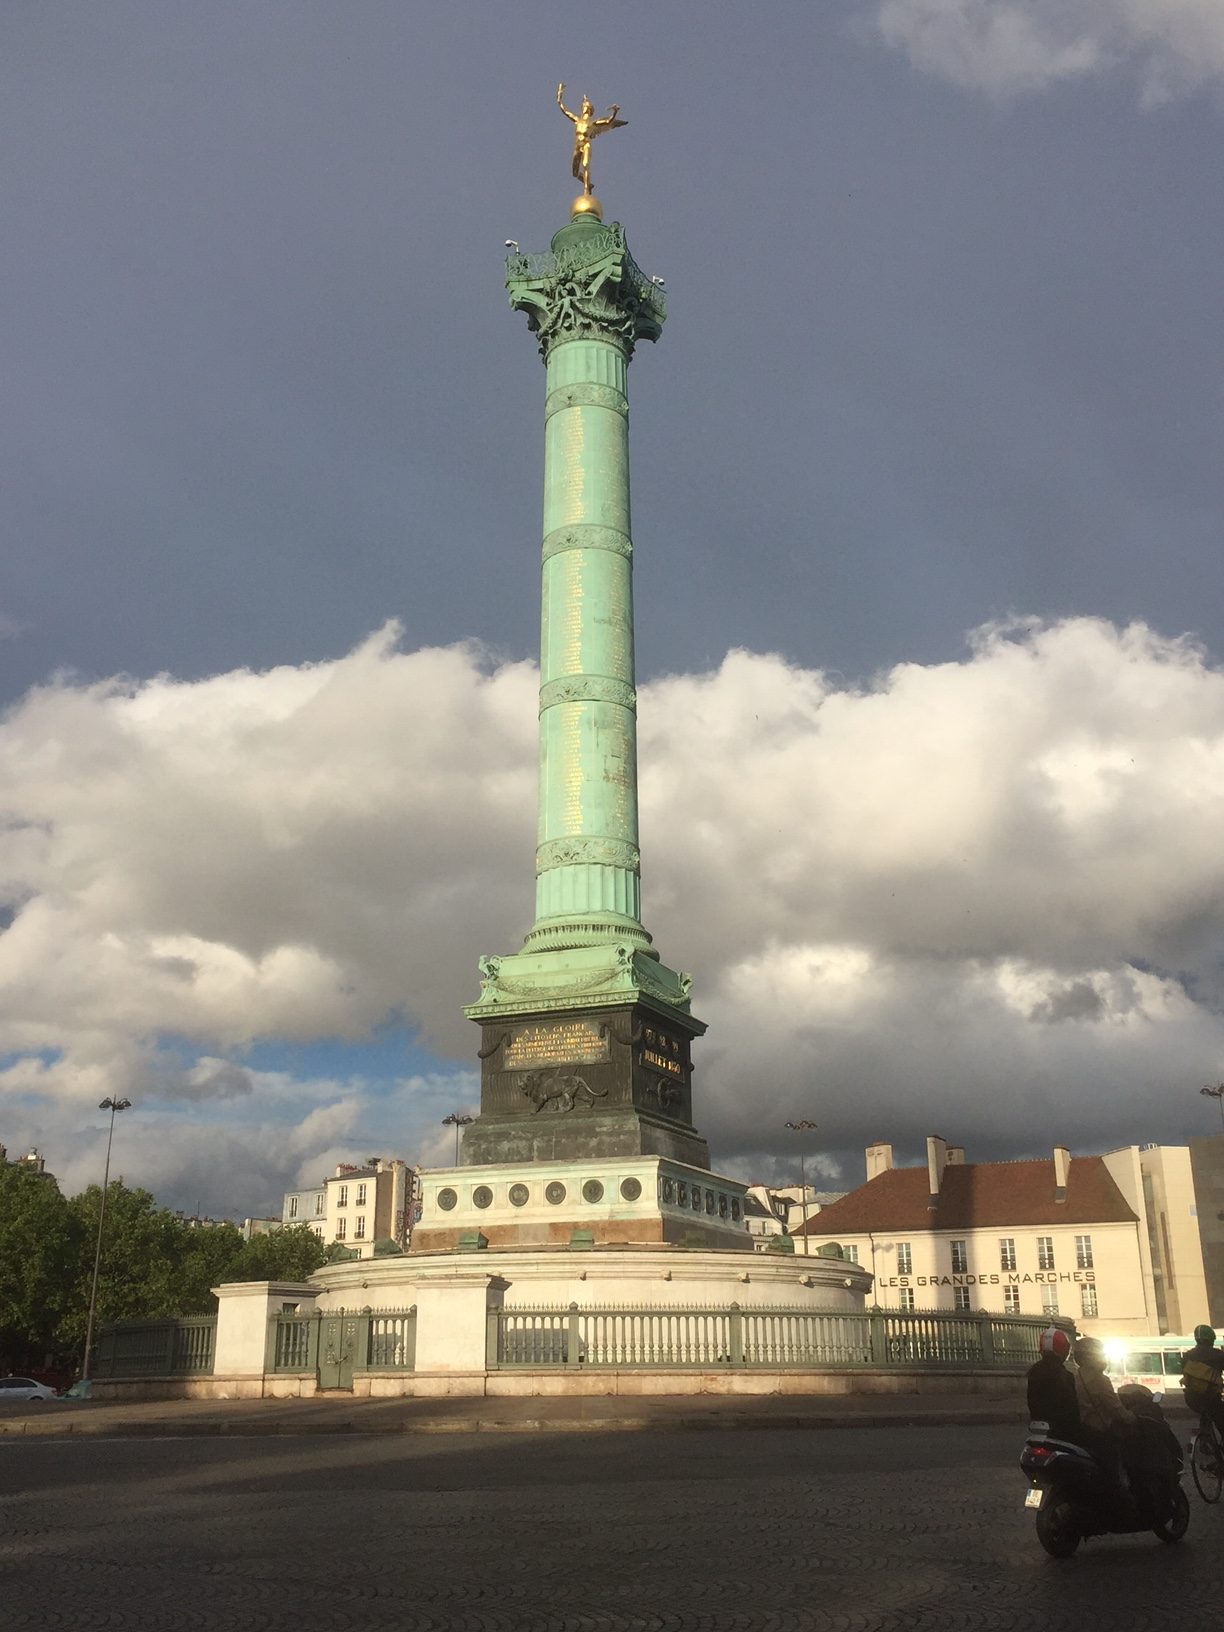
860,1530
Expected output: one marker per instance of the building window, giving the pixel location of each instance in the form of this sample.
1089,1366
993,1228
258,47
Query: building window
1049,1300
341,1228
320,1204
359,1227
960,1258
1083,1252
361,1195
1011,1300
293,1201
960,1297
342,1198
906,1298
850,1254
1088,1302
905,1259
1007,1252
1045,1252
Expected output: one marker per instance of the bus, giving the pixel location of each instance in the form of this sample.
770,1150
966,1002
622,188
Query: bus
1153,1361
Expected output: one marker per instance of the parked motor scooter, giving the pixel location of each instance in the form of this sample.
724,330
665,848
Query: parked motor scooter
1074,1496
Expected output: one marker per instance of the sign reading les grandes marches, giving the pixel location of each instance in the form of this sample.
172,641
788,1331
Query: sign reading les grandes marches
564,1042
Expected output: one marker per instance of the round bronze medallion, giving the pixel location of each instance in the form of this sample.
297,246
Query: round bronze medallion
735,1207
631,1189
722,1206
669,1190
709,1201
555,1192
519,1195
592,1190
482,1196
447,1199
696,1199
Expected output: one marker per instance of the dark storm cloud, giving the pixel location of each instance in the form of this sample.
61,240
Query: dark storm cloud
928,361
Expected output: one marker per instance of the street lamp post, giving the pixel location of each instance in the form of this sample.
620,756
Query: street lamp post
803,1127
1216,1093
113,1106
457,1120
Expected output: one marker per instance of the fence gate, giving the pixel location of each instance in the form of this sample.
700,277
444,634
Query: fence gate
338,1346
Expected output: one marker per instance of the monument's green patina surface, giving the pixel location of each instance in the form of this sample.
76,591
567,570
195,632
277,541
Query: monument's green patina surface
586,1031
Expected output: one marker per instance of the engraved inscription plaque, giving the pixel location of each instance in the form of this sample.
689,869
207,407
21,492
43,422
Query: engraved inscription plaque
565,1042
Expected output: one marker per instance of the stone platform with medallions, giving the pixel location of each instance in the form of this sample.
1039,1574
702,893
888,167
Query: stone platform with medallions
619,1201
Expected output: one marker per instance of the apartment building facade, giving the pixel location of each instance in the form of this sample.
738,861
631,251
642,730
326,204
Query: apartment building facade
1056,1236
358,1207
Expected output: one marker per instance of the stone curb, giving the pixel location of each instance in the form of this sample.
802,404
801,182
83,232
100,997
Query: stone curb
733,1421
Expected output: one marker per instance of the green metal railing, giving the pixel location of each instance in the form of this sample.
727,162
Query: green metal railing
774,1339
156,1348
370,1340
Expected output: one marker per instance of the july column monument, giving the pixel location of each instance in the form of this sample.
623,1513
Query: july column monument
586,1126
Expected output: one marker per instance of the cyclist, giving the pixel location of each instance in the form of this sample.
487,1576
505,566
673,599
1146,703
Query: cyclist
1203,1377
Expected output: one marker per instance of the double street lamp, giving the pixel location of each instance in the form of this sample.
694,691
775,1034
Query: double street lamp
1216,1093
457,1120
803,1127
113,1106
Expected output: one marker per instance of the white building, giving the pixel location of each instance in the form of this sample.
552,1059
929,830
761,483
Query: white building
1056,1236
1178,1193
771,1211
358,1207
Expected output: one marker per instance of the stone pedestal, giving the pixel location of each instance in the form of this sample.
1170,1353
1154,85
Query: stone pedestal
452,1319
243,1311
593,1082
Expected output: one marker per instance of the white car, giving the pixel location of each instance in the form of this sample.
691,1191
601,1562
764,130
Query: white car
24,1388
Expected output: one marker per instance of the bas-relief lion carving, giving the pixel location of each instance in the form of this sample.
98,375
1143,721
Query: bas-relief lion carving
563,1090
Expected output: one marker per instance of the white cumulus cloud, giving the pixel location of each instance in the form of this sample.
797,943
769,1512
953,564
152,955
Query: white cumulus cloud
1008,47
982,897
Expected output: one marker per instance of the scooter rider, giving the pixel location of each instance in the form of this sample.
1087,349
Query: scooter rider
1105,1421
1203,1377
1051,1387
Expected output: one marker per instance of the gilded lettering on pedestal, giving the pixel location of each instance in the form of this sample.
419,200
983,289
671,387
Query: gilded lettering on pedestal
567,1042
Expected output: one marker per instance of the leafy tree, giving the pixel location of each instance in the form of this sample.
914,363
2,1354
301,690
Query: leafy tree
153,1264
42,1248
290,1254
206,1258
140,1256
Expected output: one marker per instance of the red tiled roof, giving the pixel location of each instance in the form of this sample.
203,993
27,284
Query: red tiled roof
977,1195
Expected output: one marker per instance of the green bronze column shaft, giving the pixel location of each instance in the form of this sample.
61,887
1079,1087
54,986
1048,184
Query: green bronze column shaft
588,307
587,864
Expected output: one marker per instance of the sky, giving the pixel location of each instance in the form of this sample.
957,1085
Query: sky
927,514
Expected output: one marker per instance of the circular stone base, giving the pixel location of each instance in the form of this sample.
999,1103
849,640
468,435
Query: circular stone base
648,1277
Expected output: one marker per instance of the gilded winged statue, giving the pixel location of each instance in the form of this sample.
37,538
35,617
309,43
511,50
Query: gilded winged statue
587,125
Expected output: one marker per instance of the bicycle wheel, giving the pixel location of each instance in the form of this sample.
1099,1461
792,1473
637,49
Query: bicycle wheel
1205,1465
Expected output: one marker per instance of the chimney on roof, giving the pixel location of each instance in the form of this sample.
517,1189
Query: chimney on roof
937,1160
1062,1166
956,1156
879,1159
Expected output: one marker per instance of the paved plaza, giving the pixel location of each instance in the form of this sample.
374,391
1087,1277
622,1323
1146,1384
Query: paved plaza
862,1530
